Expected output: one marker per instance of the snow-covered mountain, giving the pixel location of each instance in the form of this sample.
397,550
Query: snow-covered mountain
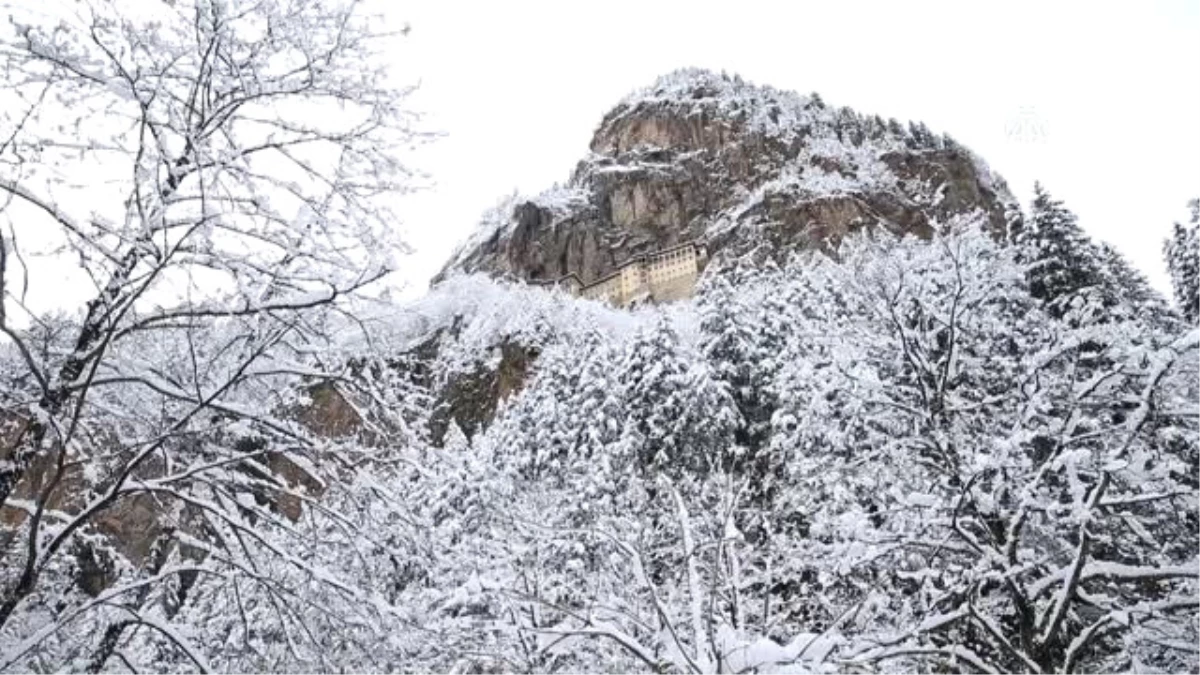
900,426
708,157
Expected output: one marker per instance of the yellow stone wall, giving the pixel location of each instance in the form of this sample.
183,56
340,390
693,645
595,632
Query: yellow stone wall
608,289
672,275
661,277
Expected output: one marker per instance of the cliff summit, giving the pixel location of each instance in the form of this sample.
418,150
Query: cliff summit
738,168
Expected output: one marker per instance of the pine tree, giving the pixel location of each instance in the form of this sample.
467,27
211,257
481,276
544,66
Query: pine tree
596,401
1014,223
877,126
680,418
738,343
1125,292
1182,252
1060,257
534,432
921,135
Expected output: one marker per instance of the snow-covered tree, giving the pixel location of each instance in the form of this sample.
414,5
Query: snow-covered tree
247,152
1182,252
679,418
996,526
1061,258
740,340
1126,293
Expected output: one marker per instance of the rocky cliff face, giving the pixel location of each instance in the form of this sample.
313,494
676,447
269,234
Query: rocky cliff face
706,156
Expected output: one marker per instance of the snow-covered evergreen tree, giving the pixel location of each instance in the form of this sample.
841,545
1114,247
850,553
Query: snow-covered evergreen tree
1061,259
1126,293
1182,252
679,417
739,342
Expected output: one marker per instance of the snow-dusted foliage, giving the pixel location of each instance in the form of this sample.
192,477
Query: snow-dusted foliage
996,526
1182,251
216,176
1062,262
910,455
1075,277
896,460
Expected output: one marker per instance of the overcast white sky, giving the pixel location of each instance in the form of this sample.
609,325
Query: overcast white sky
1099,101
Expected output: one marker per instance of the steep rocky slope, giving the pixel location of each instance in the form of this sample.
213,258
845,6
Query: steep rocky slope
705,156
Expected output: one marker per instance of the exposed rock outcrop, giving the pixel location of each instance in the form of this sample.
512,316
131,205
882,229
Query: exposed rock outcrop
706,156
470,399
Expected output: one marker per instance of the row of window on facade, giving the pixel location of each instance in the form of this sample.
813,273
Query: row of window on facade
641,275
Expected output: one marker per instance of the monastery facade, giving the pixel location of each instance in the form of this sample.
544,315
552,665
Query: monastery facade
661,276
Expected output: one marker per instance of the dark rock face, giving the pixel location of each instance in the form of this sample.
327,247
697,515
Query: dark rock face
328,413
470,399
950,175
705,156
